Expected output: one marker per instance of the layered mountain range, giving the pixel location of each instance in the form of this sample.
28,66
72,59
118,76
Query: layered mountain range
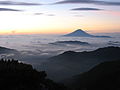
71,63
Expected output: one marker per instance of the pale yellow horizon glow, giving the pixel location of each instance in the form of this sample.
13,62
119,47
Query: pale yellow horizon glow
26,23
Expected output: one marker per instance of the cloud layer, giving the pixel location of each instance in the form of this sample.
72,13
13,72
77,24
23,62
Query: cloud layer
89,2
8,9
86,9
17,3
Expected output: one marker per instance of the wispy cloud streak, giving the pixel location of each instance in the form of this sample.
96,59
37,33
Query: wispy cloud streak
18,3
38,13
89,2
9,9
86,9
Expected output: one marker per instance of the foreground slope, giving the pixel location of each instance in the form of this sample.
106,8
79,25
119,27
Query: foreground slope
105,76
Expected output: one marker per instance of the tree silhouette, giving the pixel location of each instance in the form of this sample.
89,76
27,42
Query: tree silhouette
15,75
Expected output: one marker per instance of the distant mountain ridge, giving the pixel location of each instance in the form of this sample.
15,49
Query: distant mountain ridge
81,33
70,63
70,42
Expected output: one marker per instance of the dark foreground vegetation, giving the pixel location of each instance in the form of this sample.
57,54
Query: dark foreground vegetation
15,75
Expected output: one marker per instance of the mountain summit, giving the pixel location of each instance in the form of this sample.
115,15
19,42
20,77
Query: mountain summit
81,33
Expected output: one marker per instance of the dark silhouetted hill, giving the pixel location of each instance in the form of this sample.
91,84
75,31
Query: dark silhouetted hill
70,42
7,50
105,76
20,76
114,43
71,63
81,33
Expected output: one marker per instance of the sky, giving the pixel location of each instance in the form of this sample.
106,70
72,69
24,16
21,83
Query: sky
59,16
